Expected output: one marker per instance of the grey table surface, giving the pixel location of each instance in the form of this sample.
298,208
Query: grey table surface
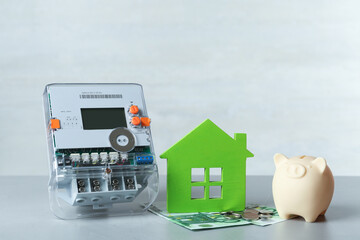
25,214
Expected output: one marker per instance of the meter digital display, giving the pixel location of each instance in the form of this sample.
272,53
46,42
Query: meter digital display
103,118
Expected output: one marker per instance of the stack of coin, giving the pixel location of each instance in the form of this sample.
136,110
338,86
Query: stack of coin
231,215
266,214
249,214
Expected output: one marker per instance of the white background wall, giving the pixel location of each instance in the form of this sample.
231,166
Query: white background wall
285,72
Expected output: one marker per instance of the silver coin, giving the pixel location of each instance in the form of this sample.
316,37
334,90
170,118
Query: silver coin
265,216
227,213
233,216
264,211
239,212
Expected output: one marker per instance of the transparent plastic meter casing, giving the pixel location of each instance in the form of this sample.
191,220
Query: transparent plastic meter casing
102,160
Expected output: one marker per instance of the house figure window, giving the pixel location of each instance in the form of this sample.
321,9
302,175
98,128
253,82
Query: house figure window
206,183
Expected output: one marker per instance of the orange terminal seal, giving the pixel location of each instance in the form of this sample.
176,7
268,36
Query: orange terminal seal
134,109
54,123
145,121
135,121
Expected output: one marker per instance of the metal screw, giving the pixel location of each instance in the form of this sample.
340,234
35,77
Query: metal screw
81,183
130,180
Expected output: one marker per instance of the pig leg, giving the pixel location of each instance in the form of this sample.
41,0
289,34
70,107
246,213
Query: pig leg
311,218
284,215
323,212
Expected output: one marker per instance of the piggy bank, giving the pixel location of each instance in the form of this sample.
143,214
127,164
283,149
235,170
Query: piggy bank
302,186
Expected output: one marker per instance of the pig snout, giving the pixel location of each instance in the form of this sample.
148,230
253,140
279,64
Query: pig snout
295,170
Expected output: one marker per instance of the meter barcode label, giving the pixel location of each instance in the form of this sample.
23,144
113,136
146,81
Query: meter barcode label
97,96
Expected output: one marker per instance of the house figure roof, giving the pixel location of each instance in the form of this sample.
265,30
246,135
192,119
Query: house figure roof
210,138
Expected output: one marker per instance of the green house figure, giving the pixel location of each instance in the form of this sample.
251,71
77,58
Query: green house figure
220,164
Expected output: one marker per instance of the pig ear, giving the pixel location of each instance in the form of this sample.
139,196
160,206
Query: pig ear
320,163
279,158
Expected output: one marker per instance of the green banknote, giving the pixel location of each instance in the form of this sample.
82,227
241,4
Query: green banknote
253,214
